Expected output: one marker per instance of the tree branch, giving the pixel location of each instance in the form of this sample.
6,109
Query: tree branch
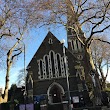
18,48
100,30
100,22
92,17
15,55
92,33
88,19
5,34
70,6
84,11
101,40
83,3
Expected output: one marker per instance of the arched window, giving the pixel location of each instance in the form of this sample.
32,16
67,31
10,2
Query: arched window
52,62
44,68
51,66
46,61
59,63
69,31
50,41
72,45
77,45
41,69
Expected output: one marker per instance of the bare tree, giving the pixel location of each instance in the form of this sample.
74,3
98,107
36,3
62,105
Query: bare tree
13,52
101,57
12,26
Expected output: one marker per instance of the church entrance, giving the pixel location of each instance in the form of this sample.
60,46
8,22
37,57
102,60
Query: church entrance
55,93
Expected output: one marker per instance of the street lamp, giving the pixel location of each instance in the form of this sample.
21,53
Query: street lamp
19,40
67,76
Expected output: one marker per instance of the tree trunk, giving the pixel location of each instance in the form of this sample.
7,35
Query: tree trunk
94,74
10,58
9,64
103,79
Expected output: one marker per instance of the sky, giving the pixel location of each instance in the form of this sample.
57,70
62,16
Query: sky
32,43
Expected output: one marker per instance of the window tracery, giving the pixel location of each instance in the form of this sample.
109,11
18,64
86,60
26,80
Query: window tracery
76,45
51,66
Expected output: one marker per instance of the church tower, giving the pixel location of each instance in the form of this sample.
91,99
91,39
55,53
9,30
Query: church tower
75,36
76,40
74,45
74,33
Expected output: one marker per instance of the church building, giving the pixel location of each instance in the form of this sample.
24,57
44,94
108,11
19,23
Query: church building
56,75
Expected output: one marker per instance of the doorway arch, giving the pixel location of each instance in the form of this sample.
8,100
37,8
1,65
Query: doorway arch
55,93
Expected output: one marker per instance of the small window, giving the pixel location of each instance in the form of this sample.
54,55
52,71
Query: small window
69,31
50,41
79,57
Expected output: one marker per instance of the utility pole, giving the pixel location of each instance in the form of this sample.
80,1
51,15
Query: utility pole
67,76
24,70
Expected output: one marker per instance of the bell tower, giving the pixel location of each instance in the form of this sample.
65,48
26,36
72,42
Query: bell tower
75,36
76,40
74,32
74,44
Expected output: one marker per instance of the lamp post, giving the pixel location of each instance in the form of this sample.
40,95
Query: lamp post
24,71
67,76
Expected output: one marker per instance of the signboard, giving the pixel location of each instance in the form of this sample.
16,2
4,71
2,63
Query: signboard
39,98
75,99
26,107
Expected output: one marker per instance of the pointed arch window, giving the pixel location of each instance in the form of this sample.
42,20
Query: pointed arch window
59,63
52,62
51,66
46,61
69,31
50,41
41,69
72,44
77,44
